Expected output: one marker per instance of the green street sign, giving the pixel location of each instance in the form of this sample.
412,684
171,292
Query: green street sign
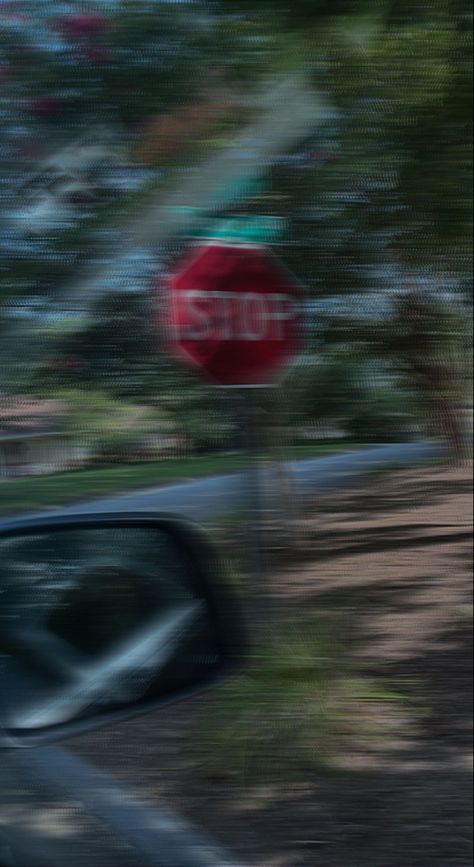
243,228
206,224
250,229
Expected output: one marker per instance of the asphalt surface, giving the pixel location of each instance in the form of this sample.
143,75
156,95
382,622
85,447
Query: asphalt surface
57,810
209,498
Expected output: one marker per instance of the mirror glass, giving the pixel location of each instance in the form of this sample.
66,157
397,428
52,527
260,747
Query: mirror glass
94,619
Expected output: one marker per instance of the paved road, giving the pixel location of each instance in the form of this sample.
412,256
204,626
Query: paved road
208,498
56,809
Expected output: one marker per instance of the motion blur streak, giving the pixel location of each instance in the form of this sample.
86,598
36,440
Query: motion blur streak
334,137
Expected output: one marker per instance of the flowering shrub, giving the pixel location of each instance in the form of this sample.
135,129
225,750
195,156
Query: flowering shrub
87,24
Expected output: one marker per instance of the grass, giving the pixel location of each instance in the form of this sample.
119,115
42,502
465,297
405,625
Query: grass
54,490
263,721
27,494
297,705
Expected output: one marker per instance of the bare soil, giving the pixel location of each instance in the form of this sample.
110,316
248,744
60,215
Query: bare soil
392,560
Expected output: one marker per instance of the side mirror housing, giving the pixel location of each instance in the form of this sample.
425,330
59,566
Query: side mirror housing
103,617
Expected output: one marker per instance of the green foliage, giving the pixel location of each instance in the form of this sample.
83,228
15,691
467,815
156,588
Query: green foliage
393,199
292,710
103,422
141,62
278,714
398,191
354,389
402,76
385,414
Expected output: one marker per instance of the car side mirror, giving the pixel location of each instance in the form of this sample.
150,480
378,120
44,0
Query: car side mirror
104,617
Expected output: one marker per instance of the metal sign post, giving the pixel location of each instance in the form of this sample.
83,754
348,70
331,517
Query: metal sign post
256,553
234,312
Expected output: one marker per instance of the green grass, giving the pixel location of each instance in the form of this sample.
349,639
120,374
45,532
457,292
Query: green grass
36,492
261,723
298,703
22,494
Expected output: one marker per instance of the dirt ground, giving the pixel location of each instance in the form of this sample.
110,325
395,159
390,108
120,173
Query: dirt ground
393,559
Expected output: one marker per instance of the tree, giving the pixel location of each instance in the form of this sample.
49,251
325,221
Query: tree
424,339
91,65
67,75
428,340
392,203
118,362
382,192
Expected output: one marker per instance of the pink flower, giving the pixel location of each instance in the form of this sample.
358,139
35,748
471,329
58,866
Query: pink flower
83,24
45,106
30,150
95,53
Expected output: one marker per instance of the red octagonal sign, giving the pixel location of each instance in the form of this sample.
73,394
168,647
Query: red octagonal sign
234,313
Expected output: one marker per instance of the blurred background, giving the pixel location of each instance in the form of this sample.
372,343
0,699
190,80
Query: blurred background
130,129
338,133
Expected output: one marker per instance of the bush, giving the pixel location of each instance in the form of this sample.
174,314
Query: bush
282,713
298,704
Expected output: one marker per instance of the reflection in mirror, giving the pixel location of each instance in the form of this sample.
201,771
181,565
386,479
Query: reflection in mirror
93,619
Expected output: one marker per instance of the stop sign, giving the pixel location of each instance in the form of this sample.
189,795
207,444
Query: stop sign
234,313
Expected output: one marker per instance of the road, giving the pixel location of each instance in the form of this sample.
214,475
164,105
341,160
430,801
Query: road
56,809
205,499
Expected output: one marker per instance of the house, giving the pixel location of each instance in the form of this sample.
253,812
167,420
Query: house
33,439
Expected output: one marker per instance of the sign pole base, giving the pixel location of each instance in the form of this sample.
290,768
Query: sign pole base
249,424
